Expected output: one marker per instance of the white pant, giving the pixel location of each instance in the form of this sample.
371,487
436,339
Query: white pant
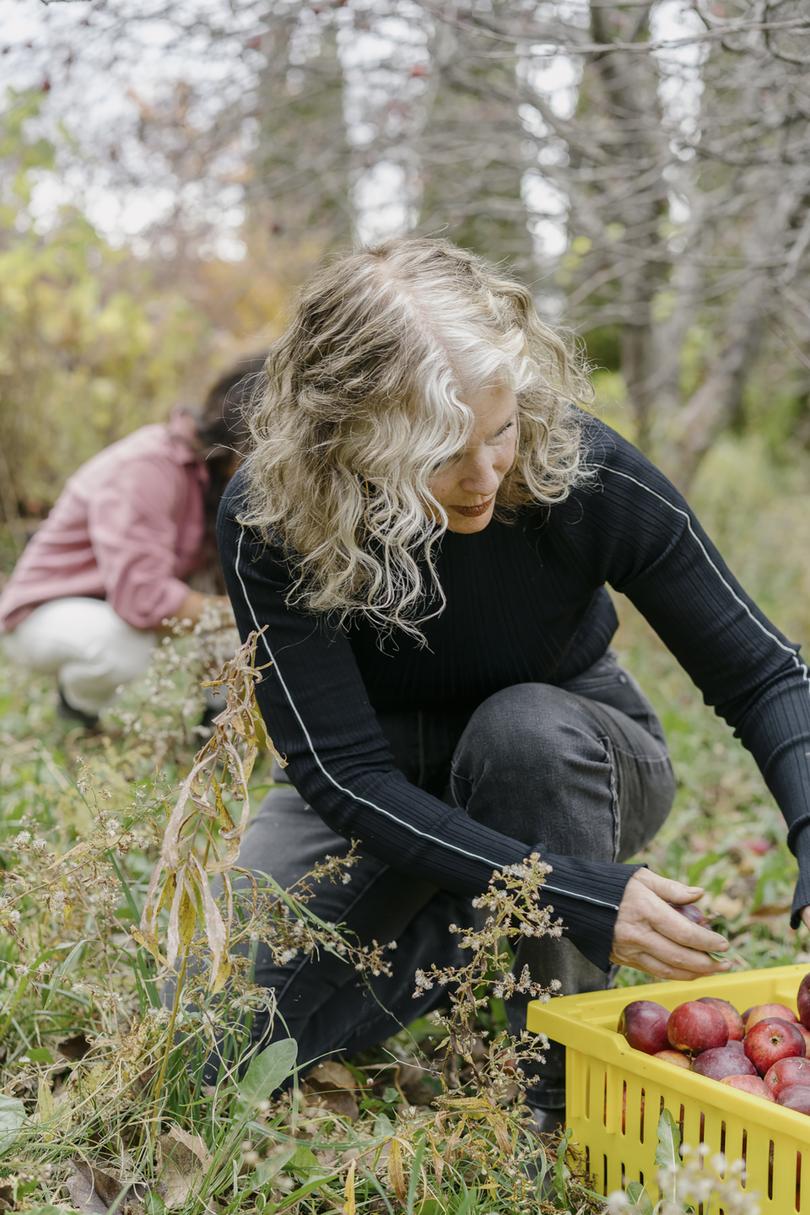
85,644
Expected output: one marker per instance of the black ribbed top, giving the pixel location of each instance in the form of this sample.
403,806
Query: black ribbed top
526,602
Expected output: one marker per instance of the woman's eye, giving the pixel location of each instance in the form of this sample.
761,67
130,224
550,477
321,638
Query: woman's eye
440,464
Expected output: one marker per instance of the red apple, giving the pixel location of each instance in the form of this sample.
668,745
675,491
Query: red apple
795,1097
673,1056
691,911
793,1069
644,1025
696,1027
722,1061
734,1021
749,1084
760,1011
803,1001
805,1033
771,1040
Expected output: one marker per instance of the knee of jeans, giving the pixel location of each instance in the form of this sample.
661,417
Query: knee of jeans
528,728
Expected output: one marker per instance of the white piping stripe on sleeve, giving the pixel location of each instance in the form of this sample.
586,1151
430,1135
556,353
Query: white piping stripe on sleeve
362,800
678,511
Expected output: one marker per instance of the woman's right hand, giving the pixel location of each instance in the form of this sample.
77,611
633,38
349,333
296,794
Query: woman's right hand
652,936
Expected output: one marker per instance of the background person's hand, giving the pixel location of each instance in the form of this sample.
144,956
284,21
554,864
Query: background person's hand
652,936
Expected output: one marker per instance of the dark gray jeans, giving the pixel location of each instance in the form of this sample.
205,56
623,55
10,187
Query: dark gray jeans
580,769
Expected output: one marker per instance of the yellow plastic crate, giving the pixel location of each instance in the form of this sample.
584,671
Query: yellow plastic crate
615,1094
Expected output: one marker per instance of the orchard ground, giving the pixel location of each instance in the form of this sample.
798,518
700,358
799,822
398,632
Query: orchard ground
70,991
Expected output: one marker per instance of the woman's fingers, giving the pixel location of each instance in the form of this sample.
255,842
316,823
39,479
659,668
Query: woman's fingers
652,936
693,961
672,924
667,888
669,957
653,966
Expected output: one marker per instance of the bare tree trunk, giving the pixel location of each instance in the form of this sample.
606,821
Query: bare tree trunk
714,405
473,152
639,203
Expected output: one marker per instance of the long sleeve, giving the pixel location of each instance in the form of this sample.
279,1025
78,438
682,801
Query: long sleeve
132,520
651,547
319,715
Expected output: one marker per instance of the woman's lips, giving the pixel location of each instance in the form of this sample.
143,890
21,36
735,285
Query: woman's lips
472,511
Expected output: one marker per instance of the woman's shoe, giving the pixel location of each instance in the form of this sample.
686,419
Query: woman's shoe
69,712
548,1121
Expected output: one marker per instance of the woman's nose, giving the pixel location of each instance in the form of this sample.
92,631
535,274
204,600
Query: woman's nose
480,474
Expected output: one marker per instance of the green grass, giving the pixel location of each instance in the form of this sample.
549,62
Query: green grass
82,1031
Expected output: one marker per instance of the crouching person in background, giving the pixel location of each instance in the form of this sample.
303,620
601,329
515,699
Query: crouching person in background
110,563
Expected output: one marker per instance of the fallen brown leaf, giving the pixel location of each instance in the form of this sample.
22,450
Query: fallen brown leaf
74,1048
184,1159
94,1192
334,1086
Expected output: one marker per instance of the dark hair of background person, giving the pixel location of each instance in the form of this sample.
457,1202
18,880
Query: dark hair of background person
222,432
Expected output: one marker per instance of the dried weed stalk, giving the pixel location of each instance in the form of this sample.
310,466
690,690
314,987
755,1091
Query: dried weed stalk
202,837
508,909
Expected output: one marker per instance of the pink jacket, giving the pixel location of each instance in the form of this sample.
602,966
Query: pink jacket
127,527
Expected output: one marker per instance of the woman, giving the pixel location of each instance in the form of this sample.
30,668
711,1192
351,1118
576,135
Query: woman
424,529
109,564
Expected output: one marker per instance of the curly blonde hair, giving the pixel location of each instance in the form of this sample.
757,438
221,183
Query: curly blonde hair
364,400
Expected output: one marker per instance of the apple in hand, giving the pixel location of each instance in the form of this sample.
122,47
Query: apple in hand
734,1021
759,1012
803,1001
696,1027
771,1040
793,1069
691,911
722,1061
749,1084
795,1097
644,1025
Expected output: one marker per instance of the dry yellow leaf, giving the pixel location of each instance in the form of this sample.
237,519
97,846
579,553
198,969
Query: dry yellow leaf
350,1205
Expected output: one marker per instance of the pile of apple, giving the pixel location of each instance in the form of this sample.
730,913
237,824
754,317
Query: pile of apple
764,1051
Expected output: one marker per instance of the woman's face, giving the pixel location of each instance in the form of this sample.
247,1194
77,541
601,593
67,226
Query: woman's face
467,485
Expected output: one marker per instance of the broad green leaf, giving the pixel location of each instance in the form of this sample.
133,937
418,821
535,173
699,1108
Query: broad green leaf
272,1164
383,1125
48,1209
295,1197
266,1072
12,1117
638,1195
667,1153
562,1172
669,1142
304,1161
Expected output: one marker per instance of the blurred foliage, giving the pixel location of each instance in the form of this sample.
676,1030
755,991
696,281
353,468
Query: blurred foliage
95,340
88,350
